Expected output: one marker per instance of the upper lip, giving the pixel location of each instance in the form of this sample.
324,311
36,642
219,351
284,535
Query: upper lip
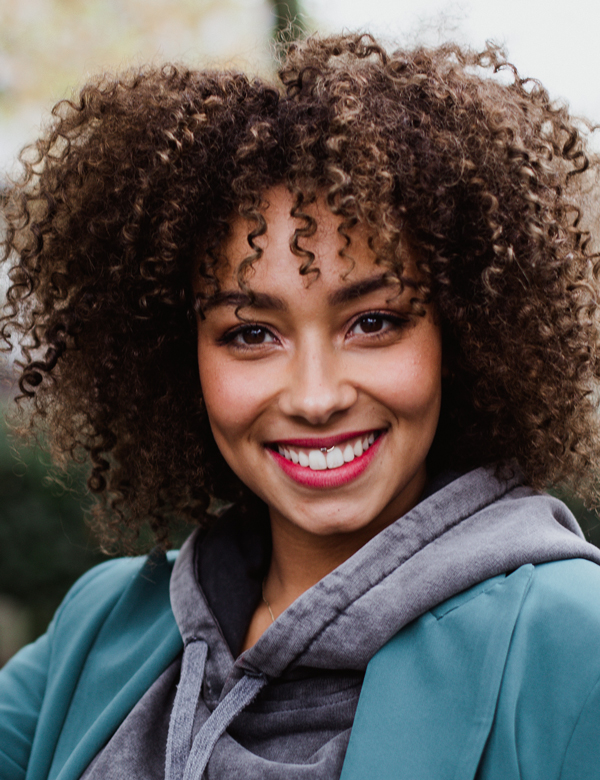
325,441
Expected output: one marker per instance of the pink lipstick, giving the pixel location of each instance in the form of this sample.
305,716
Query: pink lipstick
321,476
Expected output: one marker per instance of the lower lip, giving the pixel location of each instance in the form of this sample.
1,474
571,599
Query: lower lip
327,478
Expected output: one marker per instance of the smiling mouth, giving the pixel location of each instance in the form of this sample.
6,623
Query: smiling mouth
328,458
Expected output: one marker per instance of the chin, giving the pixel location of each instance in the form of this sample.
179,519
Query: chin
332,526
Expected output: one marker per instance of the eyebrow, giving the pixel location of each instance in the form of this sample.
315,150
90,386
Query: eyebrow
366,286
259,300
241,300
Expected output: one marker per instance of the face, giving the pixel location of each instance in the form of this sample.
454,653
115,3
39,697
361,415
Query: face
324,395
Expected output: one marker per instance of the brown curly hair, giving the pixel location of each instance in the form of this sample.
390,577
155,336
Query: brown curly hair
132,190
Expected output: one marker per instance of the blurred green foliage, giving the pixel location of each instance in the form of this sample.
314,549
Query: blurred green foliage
44,542
288,20
587,519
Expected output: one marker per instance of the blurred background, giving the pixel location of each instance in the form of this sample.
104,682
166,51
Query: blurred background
49,47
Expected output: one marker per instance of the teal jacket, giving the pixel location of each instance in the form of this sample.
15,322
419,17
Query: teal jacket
501,682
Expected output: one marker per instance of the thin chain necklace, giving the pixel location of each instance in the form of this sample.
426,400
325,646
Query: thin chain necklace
266,602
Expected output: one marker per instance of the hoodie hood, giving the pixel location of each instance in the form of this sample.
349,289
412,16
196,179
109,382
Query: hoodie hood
471,529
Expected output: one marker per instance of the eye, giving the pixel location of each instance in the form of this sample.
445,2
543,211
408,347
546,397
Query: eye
375,323
255,335
249,336
370,323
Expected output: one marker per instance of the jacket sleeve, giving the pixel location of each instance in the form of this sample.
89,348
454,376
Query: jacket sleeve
117,617
23,682
22,687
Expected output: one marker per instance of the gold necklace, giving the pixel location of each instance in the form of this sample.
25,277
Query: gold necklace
266,602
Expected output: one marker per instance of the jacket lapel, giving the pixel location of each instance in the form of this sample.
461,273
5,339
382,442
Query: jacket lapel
429,696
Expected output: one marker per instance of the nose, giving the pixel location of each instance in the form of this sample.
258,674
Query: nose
318,385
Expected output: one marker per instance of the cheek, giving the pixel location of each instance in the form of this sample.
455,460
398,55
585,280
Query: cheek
418,390
230,399
220,393
411,387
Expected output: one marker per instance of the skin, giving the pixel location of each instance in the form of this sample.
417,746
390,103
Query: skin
313,367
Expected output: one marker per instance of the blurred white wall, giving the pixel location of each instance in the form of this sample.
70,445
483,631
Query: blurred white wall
555,41
49,47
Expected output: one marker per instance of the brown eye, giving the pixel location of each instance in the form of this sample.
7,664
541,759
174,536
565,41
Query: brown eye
254,335
247,336
375,323
370,324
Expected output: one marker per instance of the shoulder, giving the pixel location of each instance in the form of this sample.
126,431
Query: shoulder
556,612
562,604
575,576
554,652
113,574
109,580
501,681
137,589
549,699
115,626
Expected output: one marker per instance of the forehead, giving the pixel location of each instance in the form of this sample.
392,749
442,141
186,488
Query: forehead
313,242
317,228
299,260
342,265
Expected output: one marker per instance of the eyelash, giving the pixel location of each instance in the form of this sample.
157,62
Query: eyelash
396,321
229,337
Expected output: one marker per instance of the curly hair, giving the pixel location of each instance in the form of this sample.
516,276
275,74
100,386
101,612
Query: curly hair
131,192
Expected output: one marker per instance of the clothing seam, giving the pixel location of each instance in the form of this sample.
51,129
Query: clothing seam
463,603
576,724
524,597
303,709
506,662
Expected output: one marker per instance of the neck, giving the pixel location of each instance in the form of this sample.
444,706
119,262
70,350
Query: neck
299,562
301,558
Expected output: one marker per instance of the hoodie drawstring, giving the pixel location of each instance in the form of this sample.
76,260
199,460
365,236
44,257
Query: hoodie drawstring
241,695
181,762
184,707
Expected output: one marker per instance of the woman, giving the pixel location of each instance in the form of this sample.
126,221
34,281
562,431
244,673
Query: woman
349,329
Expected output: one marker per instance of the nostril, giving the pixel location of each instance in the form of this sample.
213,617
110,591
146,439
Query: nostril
316,405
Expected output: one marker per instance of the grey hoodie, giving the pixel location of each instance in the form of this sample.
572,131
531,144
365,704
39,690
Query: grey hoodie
284,709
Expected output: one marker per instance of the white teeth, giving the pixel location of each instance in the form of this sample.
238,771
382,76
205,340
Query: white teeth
335,459
316,460
348,453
